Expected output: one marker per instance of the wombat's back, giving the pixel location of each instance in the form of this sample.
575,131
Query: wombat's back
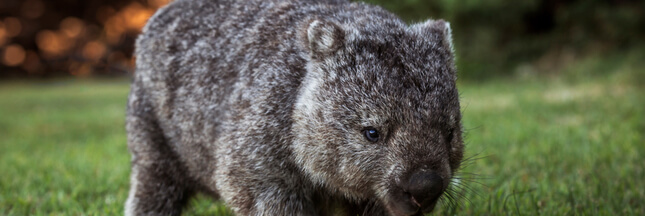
200,52
190,53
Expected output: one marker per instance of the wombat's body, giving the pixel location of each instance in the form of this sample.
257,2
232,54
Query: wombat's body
292,108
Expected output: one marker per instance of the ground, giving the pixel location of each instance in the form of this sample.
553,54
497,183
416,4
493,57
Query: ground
549,145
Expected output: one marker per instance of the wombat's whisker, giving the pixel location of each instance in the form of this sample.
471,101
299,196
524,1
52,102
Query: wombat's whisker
452,202
474,180
470,160
464,190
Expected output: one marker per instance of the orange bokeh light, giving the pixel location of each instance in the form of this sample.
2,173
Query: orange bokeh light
13,55
94,50
52,43
72,26
136,16
3,34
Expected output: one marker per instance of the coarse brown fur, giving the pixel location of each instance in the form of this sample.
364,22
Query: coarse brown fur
265,104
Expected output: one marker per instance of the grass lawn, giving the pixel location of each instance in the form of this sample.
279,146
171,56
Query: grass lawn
549,146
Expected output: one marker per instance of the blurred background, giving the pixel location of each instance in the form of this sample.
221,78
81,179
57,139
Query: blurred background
552,95
52,38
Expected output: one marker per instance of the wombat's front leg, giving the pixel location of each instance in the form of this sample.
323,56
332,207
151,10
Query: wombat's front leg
282,205
256,193
159,184
155,193
365,208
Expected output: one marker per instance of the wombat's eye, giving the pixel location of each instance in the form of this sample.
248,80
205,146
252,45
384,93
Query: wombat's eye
371,134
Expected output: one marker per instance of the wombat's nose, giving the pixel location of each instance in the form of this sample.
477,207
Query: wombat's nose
425,186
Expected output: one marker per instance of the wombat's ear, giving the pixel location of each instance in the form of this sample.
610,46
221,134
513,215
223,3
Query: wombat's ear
437,30
324,38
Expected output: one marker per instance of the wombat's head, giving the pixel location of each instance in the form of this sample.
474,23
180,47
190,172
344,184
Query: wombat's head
378,115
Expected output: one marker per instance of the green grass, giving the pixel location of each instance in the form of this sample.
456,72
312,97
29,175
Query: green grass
550,146
556,147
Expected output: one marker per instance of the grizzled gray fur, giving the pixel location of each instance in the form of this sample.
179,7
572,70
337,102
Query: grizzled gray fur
285,107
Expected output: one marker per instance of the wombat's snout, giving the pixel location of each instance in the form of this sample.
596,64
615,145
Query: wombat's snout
419,193
424,186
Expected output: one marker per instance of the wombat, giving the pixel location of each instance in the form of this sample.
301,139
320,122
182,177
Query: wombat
286,107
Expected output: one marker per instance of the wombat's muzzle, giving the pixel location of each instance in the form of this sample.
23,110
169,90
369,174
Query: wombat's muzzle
419,193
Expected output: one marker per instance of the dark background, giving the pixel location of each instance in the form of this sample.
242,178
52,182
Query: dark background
81,38
53,38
